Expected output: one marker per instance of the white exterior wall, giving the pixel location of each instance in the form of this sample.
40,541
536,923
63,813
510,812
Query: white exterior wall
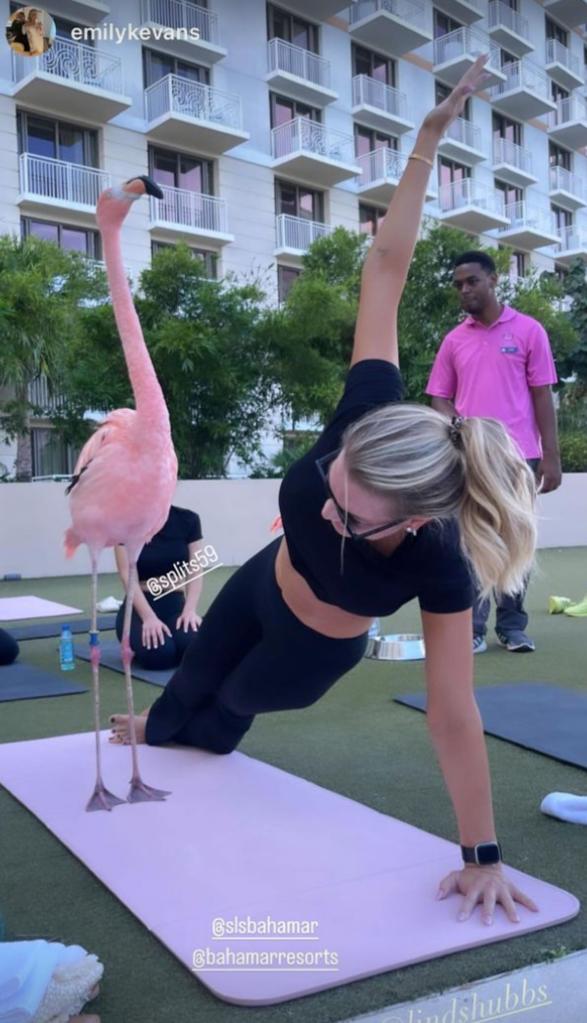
244,176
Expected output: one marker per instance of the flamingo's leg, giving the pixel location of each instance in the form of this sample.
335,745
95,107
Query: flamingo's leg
101,798
139,792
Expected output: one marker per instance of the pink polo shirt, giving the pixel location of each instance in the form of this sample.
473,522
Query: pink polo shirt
489,371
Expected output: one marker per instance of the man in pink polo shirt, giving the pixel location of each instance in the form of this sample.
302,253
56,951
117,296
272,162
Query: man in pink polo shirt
498,364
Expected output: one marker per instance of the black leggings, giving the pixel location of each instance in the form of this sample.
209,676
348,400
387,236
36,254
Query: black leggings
251,655
168,654
8,648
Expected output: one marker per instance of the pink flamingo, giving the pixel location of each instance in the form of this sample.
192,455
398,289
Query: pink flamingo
126,473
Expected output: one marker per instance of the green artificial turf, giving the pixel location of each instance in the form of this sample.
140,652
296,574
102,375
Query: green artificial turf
355,741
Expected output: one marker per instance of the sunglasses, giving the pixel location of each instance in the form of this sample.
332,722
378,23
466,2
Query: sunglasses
323,464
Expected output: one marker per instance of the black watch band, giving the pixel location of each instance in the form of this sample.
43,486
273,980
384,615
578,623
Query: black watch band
483,854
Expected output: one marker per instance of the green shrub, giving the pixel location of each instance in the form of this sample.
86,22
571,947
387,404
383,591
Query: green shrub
573,447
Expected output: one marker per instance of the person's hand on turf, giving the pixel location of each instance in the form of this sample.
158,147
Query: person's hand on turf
188,620
154,631
487,885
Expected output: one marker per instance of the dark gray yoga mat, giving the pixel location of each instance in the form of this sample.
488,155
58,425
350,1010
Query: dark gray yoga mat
111,658
538,716
26,682
51,627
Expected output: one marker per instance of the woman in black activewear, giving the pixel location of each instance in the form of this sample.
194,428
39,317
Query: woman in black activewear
459,497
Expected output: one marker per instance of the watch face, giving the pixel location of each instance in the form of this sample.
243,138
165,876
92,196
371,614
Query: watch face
488,853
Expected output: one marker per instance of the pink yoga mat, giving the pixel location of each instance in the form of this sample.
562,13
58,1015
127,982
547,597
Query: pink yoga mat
241,849
14,608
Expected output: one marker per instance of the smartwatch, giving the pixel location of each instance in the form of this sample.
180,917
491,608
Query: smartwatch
483,854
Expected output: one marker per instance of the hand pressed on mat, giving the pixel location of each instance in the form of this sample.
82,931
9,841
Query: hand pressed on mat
487,885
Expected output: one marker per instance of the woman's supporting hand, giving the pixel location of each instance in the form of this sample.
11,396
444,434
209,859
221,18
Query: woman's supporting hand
487,885
445,113
154,631
189,620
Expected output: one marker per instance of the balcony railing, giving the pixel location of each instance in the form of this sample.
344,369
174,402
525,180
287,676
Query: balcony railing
294,60
302,135
297,232
465,40
464,131
180,14
370,92
565,181
573,108
381,164
76,62
411,11
572,238
469,192
56,179
506,151
188,209
501,14
520,214
523,74
556,53
177,95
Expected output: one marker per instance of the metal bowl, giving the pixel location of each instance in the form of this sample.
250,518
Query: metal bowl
407,646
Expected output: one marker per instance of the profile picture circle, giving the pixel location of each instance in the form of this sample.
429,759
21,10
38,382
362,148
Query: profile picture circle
30,31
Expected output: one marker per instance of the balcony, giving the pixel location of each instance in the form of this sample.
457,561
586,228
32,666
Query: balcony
379,106
564,67
294,235
571,245
509,29
529,227
189,115
381,172
471,206
307,151
512,163
455,52
318,10
49,186
525,93
568,124
299,73
462,142
465,11
567,189
570,12
196,29
393,27
71,80
202,218
82,12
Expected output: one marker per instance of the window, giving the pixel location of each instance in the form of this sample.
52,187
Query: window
558,92
209,259
443,24
179,170
562,218
298,201
290,28
503,128
369,219
442,91
367,140
508,58
366,62
554,31
559,157
286,276
518,264
510,193
51,456
283,110
72,239
451,178
58,140
157,65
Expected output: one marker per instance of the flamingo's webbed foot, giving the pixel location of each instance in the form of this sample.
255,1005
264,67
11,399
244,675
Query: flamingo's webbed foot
102,799
141,793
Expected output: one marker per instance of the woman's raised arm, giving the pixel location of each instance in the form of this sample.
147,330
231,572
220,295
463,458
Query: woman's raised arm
387,263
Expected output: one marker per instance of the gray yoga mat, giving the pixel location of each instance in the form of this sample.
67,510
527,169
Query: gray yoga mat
50,627
110,658
27,682
540,717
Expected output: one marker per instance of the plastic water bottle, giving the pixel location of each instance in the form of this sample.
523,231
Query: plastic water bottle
66,657
374,630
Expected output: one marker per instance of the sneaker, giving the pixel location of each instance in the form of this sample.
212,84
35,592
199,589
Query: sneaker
479,645
517,642
577,610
